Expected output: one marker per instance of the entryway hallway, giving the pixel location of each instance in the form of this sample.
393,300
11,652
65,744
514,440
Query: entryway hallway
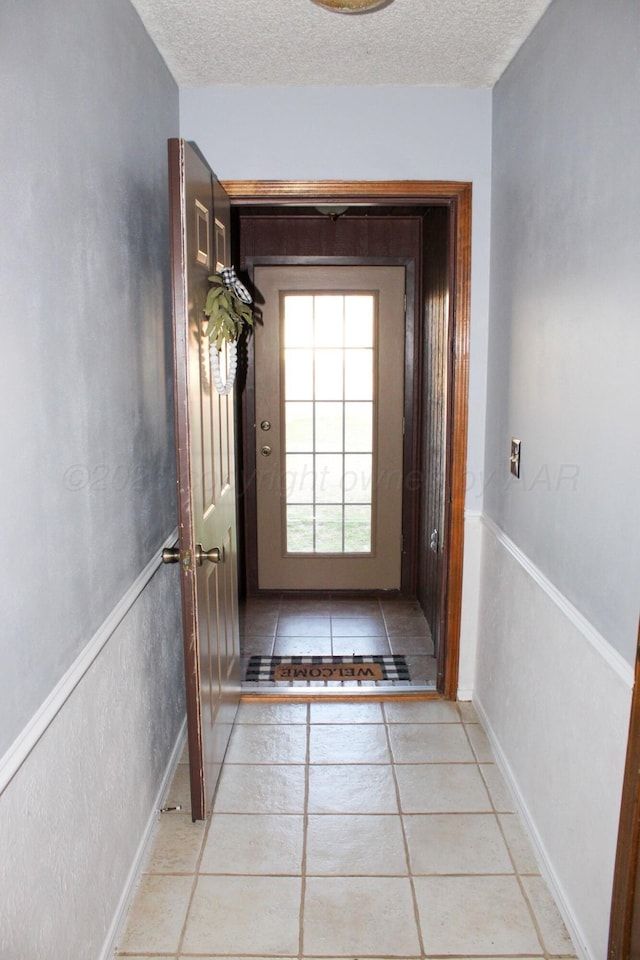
334,626
347,830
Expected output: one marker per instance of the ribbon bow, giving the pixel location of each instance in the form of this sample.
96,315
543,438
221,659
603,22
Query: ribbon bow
230,278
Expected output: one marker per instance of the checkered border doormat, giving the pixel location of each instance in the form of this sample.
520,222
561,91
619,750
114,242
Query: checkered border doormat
261,669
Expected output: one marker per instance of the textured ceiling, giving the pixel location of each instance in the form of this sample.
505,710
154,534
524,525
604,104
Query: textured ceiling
460,43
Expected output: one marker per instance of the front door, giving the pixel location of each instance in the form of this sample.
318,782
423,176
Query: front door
199,211
329,427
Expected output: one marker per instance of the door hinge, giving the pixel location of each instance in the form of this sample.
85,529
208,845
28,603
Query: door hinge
405,303
403,426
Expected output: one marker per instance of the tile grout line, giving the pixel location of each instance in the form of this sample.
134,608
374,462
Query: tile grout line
305,823
196,875
405,839
516,872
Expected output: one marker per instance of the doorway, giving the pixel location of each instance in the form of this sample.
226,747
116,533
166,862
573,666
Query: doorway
436,362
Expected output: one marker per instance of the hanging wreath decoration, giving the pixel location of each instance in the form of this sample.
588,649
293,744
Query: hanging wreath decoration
228,308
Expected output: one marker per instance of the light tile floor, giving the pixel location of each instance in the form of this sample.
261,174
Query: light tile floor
347,830
285,626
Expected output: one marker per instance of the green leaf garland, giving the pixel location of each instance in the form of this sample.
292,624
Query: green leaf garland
227,314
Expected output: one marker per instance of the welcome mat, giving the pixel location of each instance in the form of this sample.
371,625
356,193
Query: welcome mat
355,669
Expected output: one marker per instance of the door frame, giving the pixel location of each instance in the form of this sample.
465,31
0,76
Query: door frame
456,196
624,929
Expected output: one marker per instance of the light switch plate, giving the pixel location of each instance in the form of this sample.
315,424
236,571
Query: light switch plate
514,459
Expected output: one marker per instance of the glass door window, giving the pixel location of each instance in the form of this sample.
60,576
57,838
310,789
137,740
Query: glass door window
329,345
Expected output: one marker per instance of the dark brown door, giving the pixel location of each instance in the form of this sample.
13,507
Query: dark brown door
199,210
434,535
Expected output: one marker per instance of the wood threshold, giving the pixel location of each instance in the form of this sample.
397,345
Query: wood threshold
457,196
339,697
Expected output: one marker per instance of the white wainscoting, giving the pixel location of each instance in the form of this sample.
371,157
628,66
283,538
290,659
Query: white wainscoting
80,804
554,698
470,602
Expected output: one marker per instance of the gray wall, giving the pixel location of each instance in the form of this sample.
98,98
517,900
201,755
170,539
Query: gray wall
560,568
564,370
87,476
87,479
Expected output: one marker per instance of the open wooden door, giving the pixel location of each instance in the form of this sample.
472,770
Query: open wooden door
206,553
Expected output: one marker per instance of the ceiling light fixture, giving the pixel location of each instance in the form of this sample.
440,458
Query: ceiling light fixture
352,6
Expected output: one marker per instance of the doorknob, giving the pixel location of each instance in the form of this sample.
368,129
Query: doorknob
171,555
214,555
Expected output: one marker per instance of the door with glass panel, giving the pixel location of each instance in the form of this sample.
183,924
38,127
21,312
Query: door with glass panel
329,361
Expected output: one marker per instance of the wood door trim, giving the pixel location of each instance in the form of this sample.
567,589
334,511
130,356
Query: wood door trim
457,196
378,192
626,889
410,504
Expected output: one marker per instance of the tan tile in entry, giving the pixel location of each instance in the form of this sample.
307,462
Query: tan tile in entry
429,743
179,793
421,711
272,713
467,712
469,916
355,608
480,743
442,788
518,843
302,647
552,929
177,844
352,845
498,790
266,743
359,915
261,789
360,646
299,625
348,743
357,627
447,843
351,712
253,843
352,788
244,915
157,915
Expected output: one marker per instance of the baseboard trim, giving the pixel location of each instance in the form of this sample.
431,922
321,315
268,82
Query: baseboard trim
546,867
608,653
42,718
131,883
